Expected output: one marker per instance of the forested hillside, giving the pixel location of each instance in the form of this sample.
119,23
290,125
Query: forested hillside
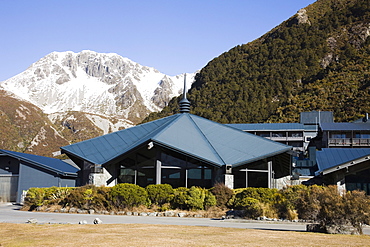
317,60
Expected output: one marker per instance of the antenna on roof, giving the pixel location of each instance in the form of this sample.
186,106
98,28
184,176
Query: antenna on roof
184,103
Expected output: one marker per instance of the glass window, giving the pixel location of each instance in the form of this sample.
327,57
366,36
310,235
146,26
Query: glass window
145,171
295,134
278,134
127,171
195,173
126,175
338,135
263,134
362,135
295,144
173,170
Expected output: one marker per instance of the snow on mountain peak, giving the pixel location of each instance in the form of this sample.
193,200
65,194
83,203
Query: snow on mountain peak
97,83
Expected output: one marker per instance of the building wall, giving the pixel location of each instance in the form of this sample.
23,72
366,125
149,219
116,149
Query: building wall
30,176
9,170
8,165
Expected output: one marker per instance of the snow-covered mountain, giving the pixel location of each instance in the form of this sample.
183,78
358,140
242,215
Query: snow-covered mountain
101,85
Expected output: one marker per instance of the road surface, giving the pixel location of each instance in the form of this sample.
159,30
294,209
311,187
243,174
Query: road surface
11,214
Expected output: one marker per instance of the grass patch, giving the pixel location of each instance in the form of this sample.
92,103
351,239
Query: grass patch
163,235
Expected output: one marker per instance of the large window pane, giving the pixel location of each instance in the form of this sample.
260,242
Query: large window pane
173,170
145,171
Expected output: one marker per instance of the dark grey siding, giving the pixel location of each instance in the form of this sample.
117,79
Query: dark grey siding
30,176
67,182
9,169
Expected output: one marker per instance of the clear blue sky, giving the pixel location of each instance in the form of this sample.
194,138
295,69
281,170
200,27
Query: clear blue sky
173,36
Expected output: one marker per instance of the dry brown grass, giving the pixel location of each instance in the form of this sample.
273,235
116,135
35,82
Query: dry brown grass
163,235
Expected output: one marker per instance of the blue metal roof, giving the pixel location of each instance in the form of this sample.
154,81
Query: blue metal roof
268,126
331,157
344,126
55,165
104,148
186,133
274,127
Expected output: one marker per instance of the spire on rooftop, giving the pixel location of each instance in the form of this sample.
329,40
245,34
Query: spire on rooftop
184,103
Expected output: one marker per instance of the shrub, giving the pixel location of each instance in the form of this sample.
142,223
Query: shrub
209,200
128,195
308,202
222,193
35,197
75,198
357,209
286,201
334,212
251,207
56,195
263,195
88,197
331,207
160,194
195,198
180,198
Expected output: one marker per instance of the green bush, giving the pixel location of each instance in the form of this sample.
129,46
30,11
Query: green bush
56,195
180,198
286,201
160,194
128,195
222,193
263,195
251,207
209,199
35,197
88,197
195,198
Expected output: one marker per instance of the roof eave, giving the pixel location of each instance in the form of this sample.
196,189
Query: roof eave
345,165
261,157
59,172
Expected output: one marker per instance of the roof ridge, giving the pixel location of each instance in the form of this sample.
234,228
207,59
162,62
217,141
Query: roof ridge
205,137
140,140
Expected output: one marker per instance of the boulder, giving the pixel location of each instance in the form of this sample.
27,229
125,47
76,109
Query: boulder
169,213
181,214
97,221
32,221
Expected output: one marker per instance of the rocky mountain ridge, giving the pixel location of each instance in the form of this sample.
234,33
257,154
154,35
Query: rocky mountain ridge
88,94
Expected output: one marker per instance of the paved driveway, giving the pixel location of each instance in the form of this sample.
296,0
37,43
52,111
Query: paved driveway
11,214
